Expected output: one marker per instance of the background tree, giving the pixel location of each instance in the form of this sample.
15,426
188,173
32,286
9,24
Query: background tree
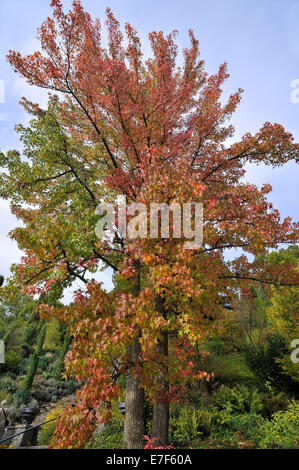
66,344
28,382
282,313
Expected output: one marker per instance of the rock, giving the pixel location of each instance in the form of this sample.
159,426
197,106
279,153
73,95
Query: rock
33,404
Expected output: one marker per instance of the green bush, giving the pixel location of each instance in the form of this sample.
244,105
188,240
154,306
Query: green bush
247,424
52,338
45,388
23,365
4,395
227,441
13,341
230,429
221,419
71,386
189,423
7,384
186,426
111,436
46,432
216,347
282,431
12,360
274,403
264,361
238,400
43,363
231,369
22,396
204,421
225,426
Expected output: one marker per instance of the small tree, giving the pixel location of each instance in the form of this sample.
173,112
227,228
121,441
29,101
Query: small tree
60,365
28,381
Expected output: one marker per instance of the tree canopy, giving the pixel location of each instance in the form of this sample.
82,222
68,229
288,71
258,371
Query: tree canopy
117,124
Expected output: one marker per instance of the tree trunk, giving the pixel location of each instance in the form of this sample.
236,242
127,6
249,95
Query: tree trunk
160,422
135,403
134,422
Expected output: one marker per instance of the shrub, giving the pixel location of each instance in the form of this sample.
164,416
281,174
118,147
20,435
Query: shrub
282,431
264,361
12,360
289,368
236,427
204,420
232,368
239,399
4,395
23,365
247,424
274,403
43,363
46,375
7,383
71,386
22,396
13,341
52,338
216,347
46,432
151,443
189,424
224,442
109,436
45,388
221,419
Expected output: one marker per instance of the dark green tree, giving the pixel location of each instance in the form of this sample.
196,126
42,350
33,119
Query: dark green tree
60,365
28,381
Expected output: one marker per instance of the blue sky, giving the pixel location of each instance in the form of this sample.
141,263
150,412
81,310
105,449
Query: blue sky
258,38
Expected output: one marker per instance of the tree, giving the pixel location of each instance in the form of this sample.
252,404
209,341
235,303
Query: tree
64,349
14,315
28,381
155,133
282,313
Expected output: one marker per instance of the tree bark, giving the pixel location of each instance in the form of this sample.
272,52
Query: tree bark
135,403
160,422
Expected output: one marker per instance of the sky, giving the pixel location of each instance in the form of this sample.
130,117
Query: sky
259,39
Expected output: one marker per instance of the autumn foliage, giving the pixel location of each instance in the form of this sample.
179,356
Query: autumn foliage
156,132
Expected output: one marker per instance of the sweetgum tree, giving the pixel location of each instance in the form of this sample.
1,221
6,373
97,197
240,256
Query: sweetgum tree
154,132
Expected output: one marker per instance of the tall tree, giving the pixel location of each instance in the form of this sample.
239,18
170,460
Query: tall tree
28,381
65,346
153,132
